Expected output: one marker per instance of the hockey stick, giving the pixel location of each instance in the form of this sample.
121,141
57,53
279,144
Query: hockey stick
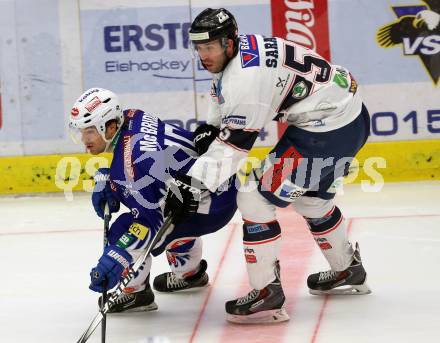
107,217
131,274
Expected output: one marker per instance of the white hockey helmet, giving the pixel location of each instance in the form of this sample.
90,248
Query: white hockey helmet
95,107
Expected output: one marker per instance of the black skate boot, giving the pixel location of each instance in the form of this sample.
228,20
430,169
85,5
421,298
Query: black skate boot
142,301
352,280
168,282
259,306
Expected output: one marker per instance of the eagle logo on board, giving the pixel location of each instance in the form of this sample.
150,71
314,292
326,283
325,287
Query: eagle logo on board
417,30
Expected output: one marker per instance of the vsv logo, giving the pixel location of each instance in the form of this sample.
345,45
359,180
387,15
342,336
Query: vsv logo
424,45
417,29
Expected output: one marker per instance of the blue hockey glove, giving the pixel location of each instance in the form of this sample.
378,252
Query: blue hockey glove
103,194
110,266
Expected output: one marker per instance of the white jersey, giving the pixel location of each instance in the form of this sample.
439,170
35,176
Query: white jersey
272,79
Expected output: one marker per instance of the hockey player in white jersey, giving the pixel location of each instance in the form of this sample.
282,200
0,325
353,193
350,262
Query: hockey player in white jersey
256,80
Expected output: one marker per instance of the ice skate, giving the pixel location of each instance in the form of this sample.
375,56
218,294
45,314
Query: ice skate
169,282
259,306
142,301
352,280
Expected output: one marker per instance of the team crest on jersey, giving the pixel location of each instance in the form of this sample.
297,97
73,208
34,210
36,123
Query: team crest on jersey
300,90
249,54
417,31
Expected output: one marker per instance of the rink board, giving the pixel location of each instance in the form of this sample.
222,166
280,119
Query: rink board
51,51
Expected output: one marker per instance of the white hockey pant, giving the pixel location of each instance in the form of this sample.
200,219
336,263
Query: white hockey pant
325,223
328,228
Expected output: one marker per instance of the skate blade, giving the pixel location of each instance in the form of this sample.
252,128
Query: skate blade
185,290
263,317
147,308
344,290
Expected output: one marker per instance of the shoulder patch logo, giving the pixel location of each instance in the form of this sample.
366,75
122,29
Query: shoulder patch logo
249,54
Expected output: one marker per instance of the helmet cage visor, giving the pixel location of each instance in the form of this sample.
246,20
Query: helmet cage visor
213,48
79,134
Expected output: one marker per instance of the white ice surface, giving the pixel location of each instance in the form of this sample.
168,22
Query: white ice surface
48,245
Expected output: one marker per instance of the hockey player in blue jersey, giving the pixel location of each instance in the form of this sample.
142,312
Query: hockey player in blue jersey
147,155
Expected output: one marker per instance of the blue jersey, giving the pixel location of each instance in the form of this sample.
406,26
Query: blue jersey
147,154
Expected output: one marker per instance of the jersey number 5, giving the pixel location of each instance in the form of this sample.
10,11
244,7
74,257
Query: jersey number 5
306,66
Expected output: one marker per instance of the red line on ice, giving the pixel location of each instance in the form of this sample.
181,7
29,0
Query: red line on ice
326,298
297,246
217,272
